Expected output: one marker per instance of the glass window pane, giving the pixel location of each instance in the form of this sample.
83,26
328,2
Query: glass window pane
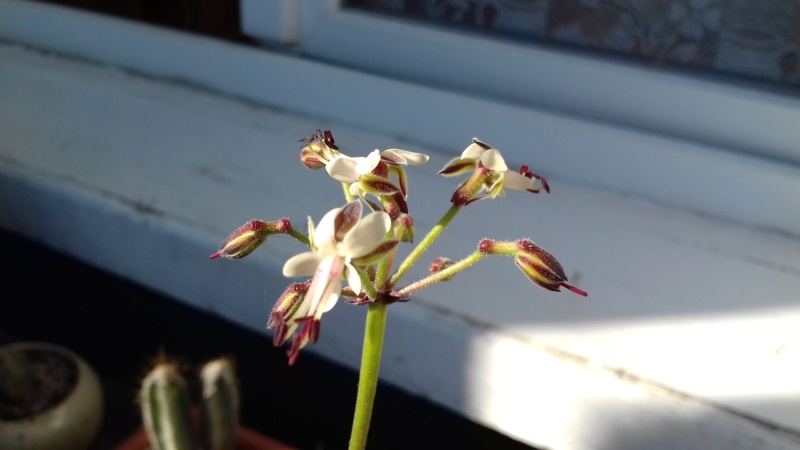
752,38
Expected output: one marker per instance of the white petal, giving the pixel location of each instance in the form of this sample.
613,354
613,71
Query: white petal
327,304
311,233
473,151
413,158
353,279
343,168
302,265
494,160
514,180
325,233
326,285
366,235
368,164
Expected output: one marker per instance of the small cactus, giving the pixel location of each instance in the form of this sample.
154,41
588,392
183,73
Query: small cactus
220,403
167,408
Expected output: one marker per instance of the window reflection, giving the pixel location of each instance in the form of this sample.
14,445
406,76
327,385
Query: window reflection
754,38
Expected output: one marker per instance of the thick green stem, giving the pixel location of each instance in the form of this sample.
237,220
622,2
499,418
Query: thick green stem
442,275
368,377
423,245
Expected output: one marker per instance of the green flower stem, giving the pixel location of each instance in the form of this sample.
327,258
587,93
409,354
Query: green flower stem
367,284
347,195
368,377
442,275
502,248
423,245
299,236
383,272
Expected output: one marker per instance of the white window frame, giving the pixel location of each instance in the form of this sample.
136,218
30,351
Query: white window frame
735,116
712,147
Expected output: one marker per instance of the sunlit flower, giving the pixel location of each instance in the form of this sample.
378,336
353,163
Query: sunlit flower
370,174
489,173
342,244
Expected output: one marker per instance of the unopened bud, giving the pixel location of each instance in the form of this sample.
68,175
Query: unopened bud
319,150
542,268
404,228
394,205
284,310
249,237
439,264
311,159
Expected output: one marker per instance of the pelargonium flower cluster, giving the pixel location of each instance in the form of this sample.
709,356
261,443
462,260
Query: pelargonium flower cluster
347,246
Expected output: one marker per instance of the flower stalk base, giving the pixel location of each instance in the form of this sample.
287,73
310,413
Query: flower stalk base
368,377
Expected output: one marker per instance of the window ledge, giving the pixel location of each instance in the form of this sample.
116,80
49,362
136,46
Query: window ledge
688,339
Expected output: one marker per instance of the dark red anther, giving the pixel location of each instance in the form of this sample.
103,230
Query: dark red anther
524,171
482,144
328,139
544,185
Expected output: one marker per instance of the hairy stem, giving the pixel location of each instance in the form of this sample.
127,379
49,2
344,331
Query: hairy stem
368,377
423,245
383,272
441,275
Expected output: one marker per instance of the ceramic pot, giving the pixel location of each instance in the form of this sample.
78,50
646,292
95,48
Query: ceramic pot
68,418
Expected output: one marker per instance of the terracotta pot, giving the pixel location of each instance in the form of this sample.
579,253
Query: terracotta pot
246,439
73,419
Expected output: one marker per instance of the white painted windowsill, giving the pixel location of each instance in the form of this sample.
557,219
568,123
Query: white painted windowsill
690,336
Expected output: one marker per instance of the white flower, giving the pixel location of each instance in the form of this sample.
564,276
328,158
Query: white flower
341,244
490,172
493,160
370,174
348,169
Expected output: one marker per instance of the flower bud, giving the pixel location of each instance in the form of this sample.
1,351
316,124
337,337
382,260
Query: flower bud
439,264
319,150
249,237
310,158
394,205
541,267
285,309
404,228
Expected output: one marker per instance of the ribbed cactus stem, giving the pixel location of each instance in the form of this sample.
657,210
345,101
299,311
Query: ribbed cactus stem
220,403
166,409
